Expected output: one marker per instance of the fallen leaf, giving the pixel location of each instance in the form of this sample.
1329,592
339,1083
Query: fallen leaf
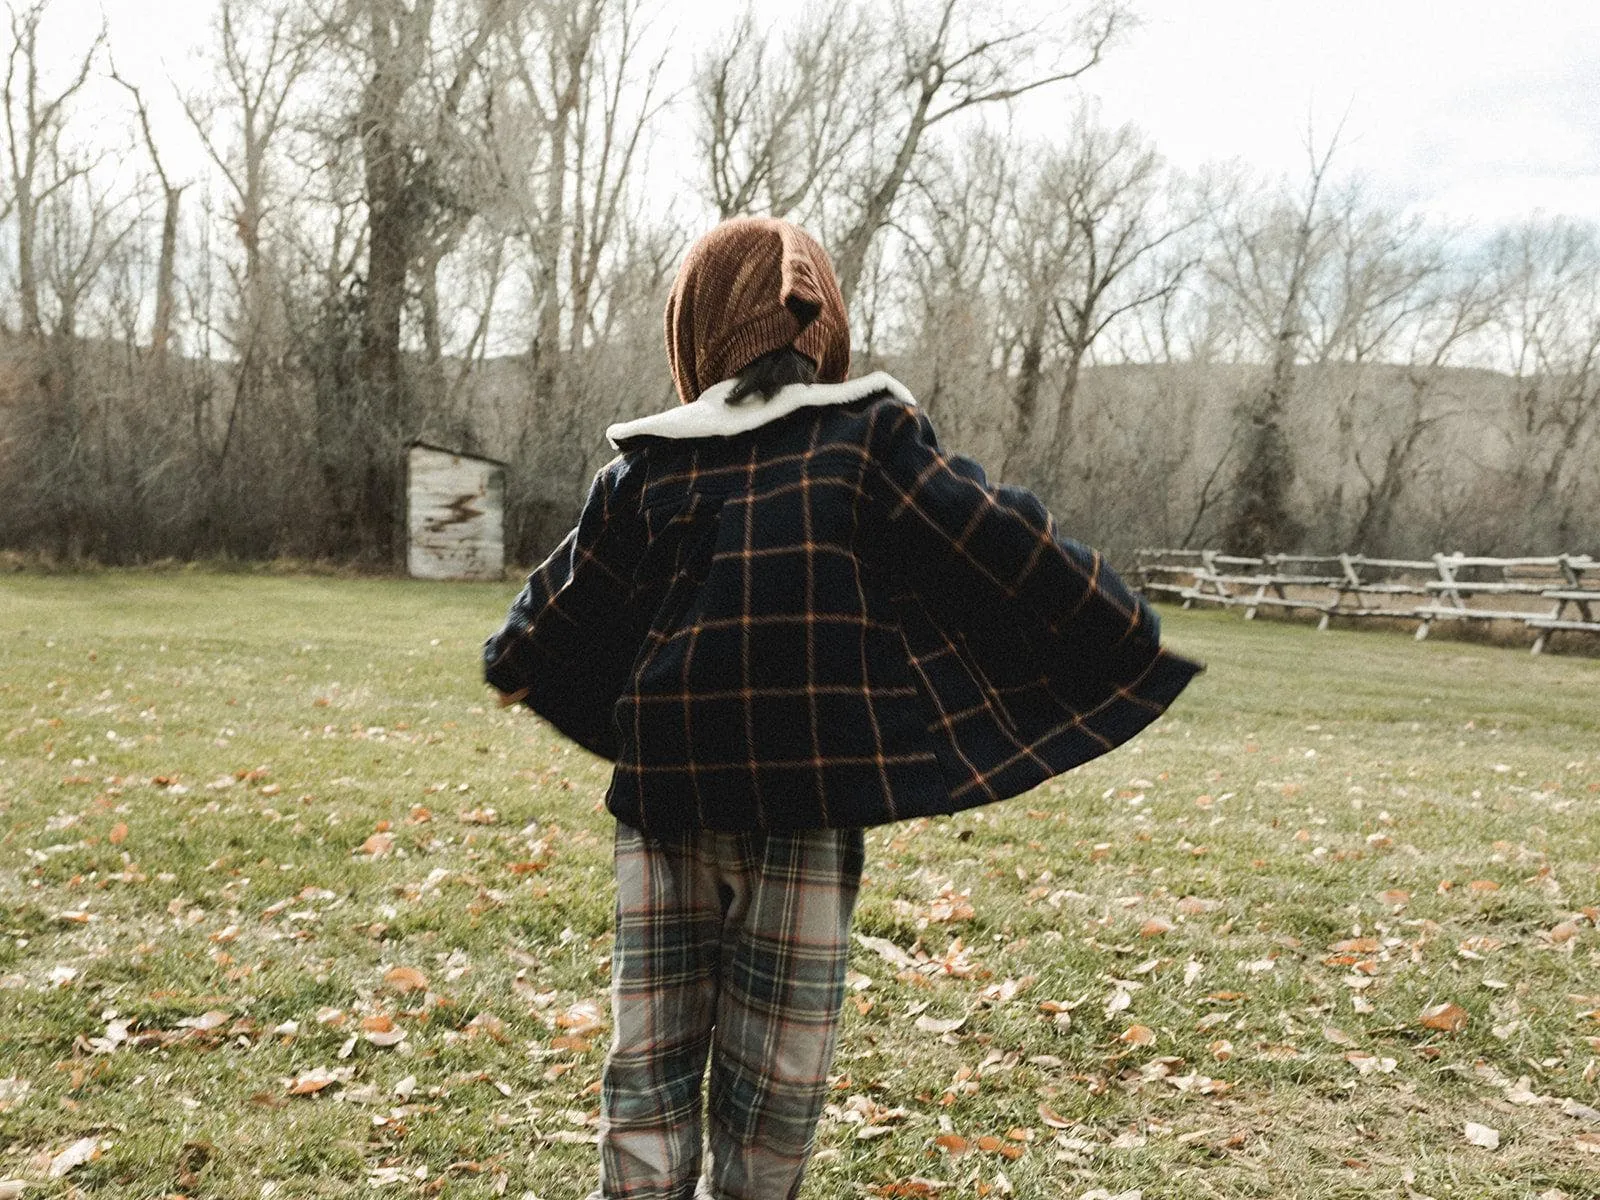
1138,1035
939,1025
486,1024
206,1021
1118,1001
378,845
1155,927
1563,932
583,1017
1449,1017
952,1144
1367,1064
1483,1135
405,979
1360,945
1581,1112
74,1156
312,1082
1052,1118
887,950
382,1031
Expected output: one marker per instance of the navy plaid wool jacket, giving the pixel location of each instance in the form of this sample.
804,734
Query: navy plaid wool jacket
802,614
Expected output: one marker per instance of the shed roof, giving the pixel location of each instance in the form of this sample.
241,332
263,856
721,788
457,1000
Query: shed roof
419,444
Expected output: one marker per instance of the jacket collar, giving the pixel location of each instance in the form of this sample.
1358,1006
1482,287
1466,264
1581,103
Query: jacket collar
712,416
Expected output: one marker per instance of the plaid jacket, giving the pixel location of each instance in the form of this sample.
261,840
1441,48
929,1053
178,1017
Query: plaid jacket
802,614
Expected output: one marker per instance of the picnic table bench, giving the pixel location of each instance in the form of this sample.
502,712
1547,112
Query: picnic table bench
1559,578
1446,587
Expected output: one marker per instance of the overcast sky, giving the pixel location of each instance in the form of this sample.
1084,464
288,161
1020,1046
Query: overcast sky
1472,110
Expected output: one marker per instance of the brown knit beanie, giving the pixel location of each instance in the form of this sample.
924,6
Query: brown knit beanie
750,286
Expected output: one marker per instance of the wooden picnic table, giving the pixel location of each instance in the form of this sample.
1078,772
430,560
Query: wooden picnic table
1443,587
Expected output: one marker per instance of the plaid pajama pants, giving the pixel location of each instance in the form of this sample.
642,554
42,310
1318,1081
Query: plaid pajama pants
732,943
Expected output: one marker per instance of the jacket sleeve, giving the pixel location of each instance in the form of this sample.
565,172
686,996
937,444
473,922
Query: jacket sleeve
993,553
565,646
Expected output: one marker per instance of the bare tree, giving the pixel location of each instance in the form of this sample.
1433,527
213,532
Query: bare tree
1548,273
35,118
1089,233
930,65
1447,314
1366,300
777,117
955,213
417,103
171,196
1263,264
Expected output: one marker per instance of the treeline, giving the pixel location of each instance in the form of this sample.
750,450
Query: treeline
444,219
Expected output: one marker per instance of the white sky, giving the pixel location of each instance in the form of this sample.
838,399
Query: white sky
1471,110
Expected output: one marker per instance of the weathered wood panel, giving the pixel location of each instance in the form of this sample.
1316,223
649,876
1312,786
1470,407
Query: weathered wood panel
455,506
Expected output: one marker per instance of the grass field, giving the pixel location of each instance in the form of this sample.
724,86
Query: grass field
288,908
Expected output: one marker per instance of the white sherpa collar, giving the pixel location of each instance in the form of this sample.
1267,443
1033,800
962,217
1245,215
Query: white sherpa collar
712,416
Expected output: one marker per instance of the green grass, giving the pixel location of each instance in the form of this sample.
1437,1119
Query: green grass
191,763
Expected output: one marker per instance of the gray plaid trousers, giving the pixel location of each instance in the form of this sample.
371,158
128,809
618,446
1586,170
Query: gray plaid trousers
736,944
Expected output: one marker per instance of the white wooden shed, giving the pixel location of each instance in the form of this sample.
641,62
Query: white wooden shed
455,514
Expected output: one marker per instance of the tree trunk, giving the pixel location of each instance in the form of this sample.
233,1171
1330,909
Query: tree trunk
851,261
161,330
389,244
27,271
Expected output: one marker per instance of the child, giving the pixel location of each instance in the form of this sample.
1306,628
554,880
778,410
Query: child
785,615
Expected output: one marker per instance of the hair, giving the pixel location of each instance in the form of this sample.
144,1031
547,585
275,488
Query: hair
769,374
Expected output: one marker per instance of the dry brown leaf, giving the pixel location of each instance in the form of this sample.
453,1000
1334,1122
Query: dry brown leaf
1483,885
1563,932
405,979
952,1144
1052,1118
1360,945
486,1024
314,1081
1138,1035
1395,897
583,1017
1448,1017
378,845
1155,927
